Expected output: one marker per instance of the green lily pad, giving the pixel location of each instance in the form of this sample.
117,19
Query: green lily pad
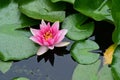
70,1
21,78
116,64
15,44
86,72
98,10
105,73
76,29
10,14
5,66
80,51
91,72
42,9
116,17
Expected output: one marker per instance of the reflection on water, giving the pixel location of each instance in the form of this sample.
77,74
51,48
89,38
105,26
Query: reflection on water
53,65
49,55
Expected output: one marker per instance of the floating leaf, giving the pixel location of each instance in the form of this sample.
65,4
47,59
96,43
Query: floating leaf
5,66
98,10
116,64
42,9
76,29
116,17
108,55
21,78
80,51
70,1
90,72
15,44
86,72
105,73
10,14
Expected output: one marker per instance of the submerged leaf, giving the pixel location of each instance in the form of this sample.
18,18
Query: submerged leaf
21,78
5,66
108,55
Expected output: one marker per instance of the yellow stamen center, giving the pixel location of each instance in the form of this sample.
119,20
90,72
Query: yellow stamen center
48,35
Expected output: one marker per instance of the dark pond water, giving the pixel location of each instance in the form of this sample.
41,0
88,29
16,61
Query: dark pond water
57,64
61,70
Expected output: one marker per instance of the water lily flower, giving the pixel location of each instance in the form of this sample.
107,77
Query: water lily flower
48,37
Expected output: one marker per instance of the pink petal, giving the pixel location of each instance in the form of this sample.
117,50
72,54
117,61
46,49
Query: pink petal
45,29
43,24
34,39
51,42
45,42
60,36
62,44
48,25
42,50
34,31
51,47
55,26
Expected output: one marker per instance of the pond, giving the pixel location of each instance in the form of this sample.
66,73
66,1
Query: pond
57,64
61,70
30,28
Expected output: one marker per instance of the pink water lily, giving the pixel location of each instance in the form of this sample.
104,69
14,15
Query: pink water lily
48,36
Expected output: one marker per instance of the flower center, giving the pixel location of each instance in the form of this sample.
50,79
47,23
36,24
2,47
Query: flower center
48,35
